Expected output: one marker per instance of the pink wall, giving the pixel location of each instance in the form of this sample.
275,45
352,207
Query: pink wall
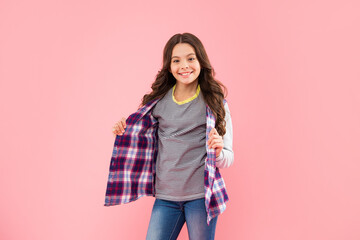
70,69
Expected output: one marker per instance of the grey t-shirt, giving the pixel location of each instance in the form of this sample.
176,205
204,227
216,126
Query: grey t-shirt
182,148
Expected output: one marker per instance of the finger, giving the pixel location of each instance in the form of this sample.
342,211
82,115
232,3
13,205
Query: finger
215,137
118,133
212,132
123,121
117,129
218,137
218,145
120,126
215,142
115,132
114,129
211,138
216,132
210,142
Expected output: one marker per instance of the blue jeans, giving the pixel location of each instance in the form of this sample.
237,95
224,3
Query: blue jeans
168,217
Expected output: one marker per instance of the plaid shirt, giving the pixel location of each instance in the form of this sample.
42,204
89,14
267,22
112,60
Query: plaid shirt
132,167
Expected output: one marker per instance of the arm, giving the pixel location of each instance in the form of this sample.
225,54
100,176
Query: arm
226,157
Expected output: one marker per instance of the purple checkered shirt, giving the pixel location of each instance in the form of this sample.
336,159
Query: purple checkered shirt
132,167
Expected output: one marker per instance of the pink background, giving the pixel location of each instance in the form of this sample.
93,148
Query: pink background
70,69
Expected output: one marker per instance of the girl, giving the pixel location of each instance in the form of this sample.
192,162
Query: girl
173,146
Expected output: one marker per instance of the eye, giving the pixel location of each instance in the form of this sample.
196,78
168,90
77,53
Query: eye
175,60
192,58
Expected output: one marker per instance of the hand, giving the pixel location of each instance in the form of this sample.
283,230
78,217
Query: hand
215,141
119,127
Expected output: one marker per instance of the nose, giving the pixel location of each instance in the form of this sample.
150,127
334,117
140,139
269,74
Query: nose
184,65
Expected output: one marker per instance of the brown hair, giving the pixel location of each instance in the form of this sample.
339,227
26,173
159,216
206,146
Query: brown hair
213,90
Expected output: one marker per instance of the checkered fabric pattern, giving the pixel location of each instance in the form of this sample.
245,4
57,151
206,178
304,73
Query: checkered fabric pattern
132,167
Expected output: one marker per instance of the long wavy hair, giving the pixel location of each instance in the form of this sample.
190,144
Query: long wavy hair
213,90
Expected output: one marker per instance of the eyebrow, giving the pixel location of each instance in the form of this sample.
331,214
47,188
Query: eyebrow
186,55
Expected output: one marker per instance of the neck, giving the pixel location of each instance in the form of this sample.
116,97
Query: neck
184,91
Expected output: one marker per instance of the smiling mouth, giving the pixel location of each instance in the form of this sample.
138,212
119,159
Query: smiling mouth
185,74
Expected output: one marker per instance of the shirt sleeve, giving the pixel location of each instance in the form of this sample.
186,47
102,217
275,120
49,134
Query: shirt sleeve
226,157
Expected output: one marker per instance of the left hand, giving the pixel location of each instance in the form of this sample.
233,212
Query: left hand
215,141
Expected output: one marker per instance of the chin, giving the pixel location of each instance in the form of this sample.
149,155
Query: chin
186,82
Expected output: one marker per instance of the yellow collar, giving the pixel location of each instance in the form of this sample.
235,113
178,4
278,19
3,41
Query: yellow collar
186,100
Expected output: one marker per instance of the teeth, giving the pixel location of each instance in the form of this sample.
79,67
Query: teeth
184,74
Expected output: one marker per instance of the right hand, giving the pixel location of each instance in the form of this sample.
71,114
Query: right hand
119,127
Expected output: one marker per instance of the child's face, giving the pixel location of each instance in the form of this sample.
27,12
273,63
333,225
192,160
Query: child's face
183,59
